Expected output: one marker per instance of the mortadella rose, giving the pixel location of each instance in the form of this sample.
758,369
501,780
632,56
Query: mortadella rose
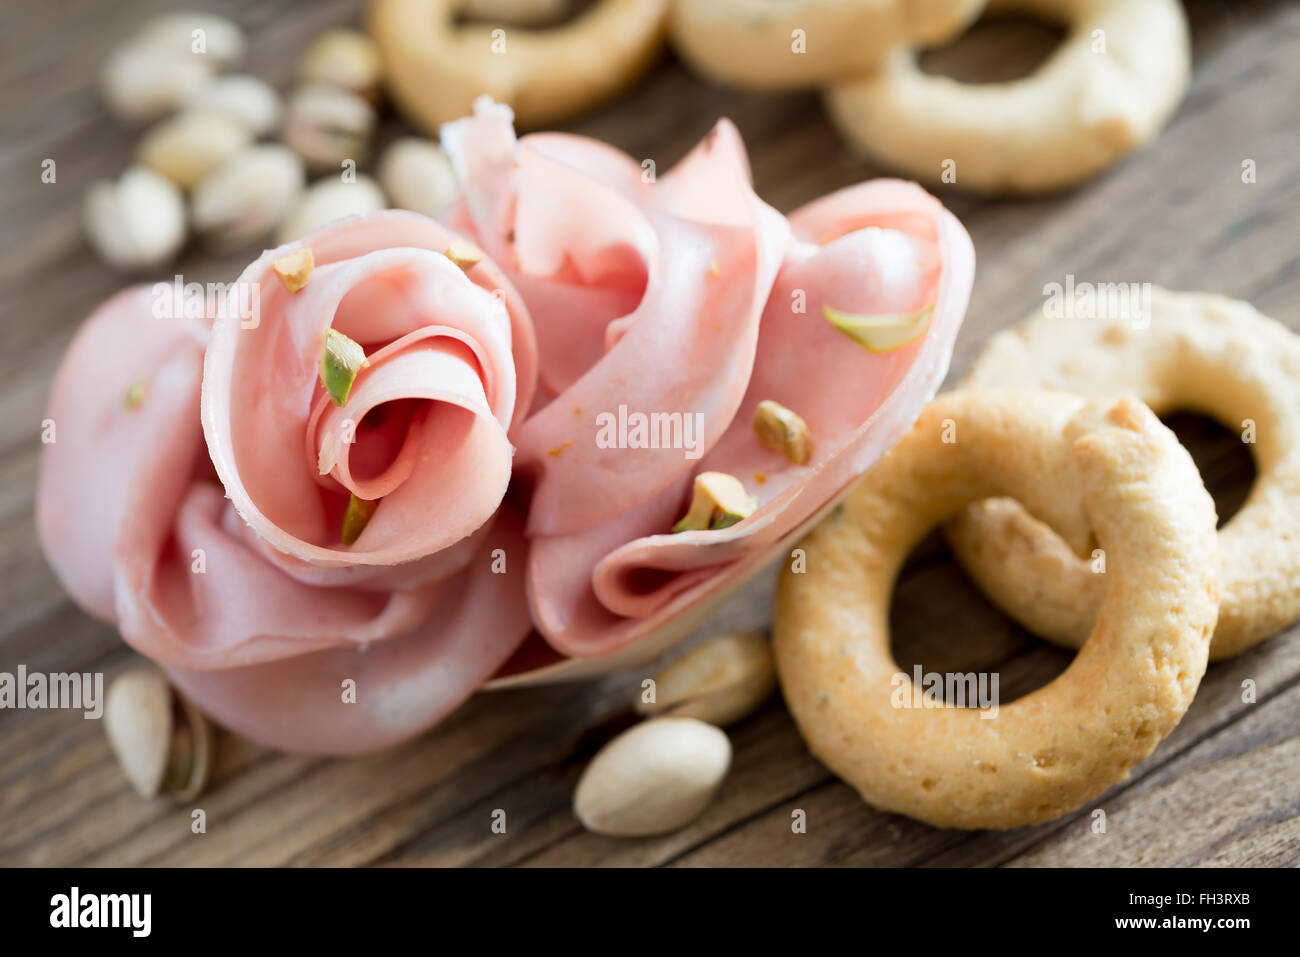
266,538
684,295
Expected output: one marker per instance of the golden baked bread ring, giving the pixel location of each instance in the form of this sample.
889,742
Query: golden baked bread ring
1109,463
436,67
1067,121
754,43
1200,353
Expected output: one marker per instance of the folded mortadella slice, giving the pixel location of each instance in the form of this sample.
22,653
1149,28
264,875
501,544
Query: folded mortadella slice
645,291
403,684
133,515
425,428
882,248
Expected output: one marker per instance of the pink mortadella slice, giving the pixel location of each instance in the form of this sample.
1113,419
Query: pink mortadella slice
403,684
645,292
881,248
124,410
132,512
425,428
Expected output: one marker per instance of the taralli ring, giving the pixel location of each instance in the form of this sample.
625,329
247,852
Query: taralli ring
436,67
1109,465
766,45
1108,89
1200,353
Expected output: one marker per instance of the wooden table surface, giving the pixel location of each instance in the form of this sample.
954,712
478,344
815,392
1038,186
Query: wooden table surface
1224,788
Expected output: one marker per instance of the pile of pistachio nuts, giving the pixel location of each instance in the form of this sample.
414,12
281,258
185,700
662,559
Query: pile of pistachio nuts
208,164
662,773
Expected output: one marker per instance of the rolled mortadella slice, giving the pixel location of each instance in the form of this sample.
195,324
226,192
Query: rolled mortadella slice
374,481
143,523
855,338
351,699
645,291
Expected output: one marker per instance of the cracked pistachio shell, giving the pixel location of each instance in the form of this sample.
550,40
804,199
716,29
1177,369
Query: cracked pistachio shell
191,145
653,778
329,199
162,741
136,223
343,58
720,681
417,175
248,196
328,125
248,99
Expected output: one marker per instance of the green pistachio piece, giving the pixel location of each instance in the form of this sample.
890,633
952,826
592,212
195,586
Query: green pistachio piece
719,501
357,517
883,333
464,254
782,430
135,394
341,359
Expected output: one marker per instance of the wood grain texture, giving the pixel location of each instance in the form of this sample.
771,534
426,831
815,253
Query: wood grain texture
1224,788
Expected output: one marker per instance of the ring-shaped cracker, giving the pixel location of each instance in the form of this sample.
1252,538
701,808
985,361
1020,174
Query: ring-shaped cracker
805,43
1108,88
436,67
1199,353
1107,464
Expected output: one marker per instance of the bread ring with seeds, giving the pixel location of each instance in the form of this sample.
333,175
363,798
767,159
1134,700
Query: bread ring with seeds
753,43
1108,89
1108,465
436,67
1200,353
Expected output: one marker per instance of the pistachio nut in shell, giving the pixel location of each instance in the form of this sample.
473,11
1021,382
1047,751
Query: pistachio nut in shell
136,223
653,778
327,125
162,741
248,99
206,36
189,146
248,196
417,175
141,82
329,199
344,58
721,681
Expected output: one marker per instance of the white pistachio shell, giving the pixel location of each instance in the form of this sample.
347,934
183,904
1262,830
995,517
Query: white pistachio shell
141,82
248,196
327,200
248,99
653,778
140,721
136,223
416,174
343,58
193,144
217,40
328,125
720,681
